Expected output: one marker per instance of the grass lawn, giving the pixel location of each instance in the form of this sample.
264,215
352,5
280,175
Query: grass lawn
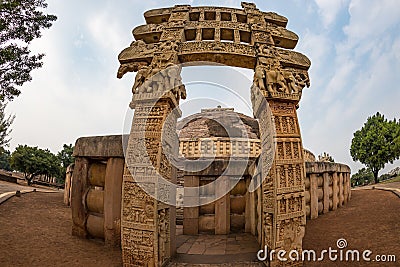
396,179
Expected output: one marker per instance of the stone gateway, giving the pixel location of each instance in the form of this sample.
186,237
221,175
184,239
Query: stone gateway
247,38
276,190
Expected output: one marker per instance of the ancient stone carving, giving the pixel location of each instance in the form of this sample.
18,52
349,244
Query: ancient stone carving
141,76
259,76
172,34
275,81
291,233
173,81
130,67
163,226
280,76
268,226
138,50
247,5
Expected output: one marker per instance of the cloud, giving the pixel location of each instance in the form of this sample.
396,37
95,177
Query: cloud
328,10
106,31
355,65
370,18
362,67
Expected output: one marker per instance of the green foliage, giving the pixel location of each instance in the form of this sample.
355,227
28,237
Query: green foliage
364,176
376,143
5,156
384,177
33,161
20,23
65,157
5,123
392,180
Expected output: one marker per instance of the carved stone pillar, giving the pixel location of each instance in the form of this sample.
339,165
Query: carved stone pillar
148,210
222,207
191,214
335,188
147,223
314,196
341,193
275,96
80,185
326,192
112,201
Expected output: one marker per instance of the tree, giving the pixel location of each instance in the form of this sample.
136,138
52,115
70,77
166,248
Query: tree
33,161
21,21
362,177
65,157
5,156
376,143
5,123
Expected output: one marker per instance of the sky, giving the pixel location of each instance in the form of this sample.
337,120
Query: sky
354,47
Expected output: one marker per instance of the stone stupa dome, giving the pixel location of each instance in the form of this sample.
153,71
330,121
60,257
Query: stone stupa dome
218,122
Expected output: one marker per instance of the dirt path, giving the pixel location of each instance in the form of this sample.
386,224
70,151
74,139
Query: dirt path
371,220
35,230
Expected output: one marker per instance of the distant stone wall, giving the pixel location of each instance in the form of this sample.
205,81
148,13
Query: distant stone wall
327,187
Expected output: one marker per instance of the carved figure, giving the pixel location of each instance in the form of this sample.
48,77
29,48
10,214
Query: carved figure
155,80
169,46
171,78
275,81
162,235
182,90
259,75
129,67
291,82
302,81
140,78
140,45
248,5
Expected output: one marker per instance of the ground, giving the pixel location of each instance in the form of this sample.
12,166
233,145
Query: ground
7,187
371,220
36,231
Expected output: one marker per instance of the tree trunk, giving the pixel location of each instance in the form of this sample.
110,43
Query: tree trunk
376,176
30,179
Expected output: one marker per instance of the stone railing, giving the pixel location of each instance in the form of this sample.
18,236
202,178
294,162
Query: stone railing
97,188
219,147
327,187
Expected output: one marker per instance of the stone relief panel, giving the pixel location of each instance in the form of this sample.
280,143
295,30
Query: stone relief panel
163,236
277,82
138,206
216,47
